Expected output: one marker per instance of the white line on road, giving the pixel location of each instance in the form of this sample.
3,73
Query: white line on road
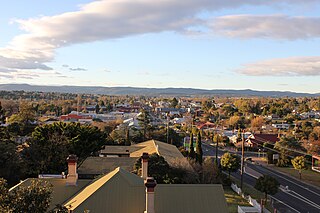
293,182
300,197
284,203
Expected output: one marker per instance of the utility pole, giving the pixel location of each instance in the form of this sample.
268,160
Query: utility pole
242,160
168,120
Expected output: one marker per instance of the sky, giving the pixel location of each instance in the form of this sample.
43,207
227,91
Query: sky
210,44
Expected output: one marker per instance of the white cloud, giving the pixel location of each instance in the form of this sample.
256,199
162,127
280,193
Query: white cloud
266,26
294,66
108,19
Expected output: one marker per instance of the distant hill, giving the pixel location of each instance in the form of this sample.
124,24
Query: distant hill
152,91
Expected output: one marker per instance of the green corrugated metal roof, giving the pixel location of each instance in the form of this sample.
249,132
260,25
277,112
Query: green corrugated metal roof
121,191
61,192
104,165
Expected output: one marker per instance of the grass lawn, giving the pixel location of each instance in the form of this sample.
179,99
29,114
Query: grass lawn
255,194
233,200
308,176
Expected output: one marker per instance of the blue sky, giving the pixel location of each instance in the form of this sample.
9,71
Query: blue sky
211,44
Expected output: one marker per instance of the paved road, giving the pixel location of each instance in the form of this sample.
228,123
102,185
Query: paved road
298,197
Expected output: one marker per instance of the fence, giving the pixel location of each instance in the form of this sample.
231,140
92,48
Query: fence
252,201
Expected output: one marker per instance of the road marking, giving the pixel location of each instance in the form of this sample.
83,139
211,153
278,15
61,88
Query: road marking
300,197
292,182
284,203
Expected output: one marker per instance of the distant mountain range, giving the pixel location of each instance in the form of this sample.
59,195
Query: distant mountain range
153,91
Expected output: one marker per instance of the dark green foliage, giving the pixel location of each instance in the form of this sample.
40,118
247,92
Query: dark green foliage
51,144
199,153
9,159
192,154
128,141
34,198
267,185
144,122
174,102
159,169
4,197
2,115
287,147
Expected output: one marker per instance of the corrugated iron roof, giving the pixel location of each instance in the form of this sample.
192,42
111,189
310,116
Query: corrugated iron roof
121,191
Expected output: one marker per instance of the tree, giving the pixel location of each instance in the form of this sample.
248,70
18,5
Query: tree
158,168
174,102
97,108
299,164
50,145
4,197
257,122
144,119
128,142
2,115
192,154
287,147
267,185
26,114
199,152
230,162
35,197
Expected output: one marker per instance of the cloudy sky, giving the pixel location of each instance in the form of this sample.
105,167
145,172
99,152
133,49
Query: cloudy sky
211,44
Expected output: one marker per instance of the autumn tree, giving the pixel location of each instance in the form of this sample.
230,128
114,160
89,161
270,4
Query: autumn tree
257,122
26,114
299,163
230,162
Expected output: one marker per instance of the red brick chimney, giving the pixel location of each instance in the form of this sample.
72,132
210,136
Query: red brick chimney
144,164
72,176
150,184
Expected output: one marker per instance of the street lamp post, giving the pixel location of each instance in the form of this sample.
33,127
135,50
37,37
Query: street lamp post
242,161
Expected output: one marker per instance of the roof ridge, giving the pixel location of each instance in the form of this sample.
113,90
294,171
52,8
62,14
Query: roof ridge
156,146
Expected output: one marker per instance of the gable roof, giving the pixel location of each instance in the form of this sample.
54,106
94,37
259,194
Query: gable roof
104,188
121,191
262,138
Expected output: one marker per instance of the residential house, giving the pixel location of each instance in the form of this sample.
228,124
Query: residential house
121,191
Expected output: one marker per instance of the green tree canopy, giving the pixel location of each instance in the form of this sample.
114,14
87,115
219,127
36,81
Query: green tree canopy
192,153
199,153
230,162
50,145
267,185
144,122
299,163
287,147
159,169
34,198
